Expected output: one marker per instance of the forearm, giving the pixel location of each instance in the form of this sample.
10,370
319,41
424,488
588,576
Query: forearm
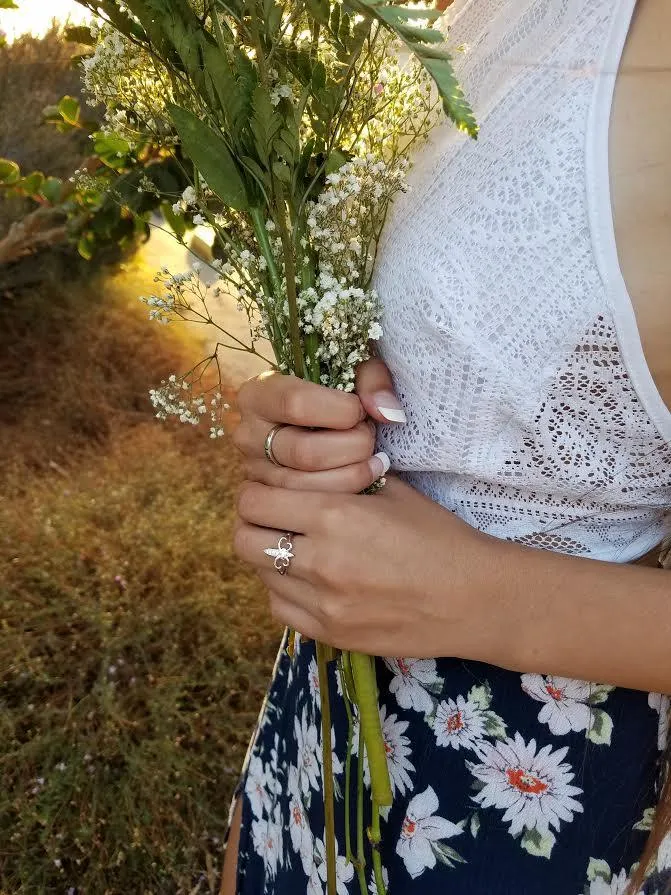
579,618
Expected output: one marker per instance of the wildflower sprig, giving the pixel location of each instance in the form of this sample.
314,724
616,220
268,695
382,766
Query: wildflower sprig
294,124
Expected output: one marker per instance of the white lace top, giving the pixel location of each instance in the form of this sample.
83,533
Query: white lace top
531,411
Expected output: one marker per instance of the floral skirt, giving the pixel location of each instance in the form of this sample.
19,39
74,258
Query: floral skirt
504,784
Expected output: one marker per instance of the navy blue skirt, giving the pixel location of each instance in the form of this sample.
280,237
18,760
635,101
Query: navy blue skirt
504,784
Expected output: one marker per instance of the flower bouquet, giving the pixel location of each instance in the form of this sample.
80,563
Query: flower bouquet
293,123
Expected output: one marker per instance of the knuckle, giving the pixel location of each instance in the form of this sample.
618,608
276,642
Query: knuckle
333,514
246,499
240,541
245,395
292,404
239,437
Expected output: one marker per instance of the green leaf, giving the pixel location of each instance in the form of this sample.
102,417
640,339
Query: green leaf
80,34
211,156
481,696
494,725
8,4
474,825
646,822
320,9
599,694
265,123
10,173
601,728
87,245
536,844
446,854
335,161
425,44
69,109
52,190
32,184
282,172
598,869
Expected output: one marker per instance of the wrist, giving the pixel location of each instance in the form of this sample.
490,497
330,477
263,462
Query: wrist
482,617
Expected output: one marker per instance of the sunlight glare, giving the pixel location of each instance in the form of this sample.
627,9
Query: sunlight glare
35,16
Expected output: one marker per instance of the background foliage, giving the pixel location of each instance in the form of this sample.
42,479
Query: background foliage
134,648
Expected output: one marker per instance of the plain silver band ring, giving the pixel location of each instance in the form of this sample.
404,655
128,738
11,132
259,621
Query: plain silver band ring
268,446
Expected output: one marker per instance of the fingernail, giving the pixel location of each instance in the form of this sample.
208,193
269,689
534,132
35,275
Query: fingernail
379,464
390,407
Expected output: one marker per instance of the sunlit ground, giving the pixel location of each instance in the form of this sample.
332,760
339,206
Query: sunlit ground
35,16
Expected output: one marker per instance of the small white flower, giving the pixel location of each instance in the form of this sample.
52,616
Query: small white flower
411,676
198,219
420,829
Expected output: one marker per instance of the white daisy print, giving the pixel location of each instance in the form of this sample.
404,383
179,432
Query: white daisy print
459,724
661,704
299,829
267,839
337,765
411,678
308,756
257,787
313,681
421,834
616,886
602,881
344,871
568,704
533,789
397,748
372,887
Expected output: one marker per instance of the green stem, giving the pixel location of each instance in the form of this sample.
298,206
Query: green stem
360,853
375,837
290,276
327,765
348,769
363,672
264,244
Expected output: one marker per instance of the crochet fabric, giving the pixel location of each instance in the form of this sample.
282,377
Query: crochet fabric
508,326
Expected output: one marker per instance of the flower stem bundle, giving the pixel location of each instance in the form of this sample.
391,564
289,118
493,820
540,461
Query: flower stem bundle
294,123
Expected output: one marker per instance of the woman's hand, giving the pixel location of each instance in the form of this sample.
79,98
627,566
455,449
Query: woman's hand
390,574
336,457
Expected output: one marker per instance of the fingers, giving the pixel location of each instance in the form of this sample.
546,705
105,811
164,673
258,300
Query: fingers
281,509
348,479
287,399
375,389
250,543
304,449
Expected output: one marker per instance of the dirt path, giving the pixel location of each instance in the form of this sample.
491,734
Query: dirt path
163,250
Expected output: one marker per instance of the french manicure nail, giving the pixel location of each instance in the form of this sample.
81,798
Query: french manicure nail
390,407
379,464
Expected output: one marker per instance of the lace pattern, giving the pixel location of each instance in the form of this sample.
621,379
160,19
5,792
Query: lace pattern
499,327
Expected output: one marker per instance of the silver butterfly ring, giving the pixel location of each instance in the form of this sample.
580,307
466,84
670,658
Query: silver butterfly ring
282,553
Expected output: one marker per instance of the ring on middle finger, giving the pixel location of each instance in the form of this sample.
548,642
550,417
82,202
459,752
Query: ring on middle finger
268,445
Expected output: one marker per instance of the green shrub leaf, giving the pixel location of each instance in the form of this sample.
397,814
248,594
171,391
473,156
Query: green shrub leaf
10,173
69,109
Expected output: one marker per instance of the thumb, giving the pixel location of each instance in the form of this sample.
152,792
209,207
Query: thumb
375,389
